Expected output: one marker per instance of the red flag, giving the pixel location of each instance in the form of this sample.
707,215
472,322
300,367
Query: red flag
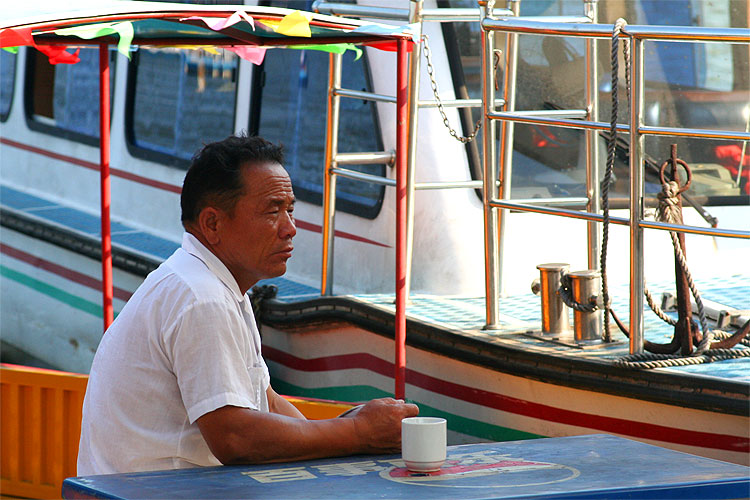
388,45
58,55
13,37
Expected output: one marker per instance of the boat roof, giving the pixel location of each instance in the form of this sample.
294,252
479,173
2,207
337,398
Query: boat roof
178,24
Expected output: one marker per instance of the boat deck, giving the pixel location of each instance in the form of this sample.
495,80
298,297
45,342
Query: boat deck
520,316
520,319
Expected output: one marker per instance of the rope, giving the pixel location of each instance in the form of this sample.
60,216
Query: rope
566,294
658,310
258,294
650,361
611,143
669,211
720,335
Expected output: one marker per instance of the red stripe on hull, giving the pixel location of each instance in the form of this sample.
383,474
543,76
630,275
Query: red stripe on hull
517,406
69,274
94,166
317,228
308,226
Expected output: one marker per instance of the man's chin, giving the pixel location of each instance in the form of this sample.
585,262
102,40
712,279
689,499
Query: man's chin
276,272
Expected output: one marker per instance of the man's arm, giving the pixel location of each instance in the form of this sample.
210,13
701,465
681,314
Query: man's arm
239,435
277,404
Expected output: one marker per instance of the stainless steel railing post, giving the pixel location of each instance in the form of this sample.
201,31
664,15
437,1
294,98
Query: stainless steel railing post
415,16
329,177
636,197
489,188
593,230
507,129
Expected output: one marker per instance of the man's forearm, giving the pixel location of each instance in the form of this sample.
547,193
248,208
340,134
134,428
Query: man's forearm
240,435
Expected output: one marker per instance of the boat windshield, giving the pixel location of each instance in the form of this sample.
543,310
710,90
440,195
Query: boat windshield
691,85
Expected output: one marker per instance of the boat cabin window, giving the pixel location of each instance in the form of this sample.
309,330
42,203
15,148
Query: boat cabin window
179,99
58,96
688,85
7,78
289,106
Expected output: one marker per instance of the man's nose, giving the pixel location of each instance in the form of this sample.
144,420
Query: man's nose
288,228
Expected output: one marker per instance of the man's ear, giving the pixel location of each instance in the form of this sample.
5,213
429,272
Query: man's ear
209,224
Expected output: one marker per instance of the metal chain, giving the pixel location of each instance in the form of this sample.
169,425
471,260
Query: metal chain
441,108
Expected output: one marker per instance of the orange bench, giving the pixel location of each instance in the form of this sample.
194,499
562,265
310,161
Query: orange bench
40,424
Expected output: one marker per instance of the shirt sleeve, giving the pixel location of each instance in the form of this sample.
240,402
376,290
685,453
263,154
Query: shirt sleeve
213,360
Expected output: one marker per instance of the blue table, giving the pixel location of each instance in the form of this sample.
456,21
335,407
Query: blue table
596,466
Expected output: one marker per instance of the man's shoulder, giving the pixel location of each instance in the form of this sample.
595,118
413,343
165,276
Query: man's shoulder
189,272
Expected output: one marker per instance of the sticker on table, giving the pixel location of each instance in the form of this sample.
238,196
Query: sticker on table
470,470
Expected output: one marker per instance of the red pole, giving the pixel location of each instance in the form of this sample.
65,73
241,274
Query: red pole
402,130
107,285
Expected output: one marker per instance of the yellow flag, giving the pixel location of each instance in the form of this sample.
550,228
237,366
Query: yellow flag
295,24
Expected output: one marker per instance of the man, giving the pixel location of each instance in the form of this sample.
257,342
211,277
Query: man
178,379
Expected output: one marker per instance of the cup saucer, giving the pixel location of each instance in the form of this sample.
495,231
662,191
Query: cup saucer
424,466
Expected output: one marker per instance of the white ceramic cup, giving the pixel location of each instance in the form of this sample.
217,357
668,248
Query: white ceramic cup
423,443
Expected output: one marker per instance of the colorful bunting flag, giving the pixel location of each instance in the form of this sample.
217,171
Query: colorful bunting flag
13,37
336,48
295,24
58,55
218,24
388,45
208,48
413,30
123,29
251,53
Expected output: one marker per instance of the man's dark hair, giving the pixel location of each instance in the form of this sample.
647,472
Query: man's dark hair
215,174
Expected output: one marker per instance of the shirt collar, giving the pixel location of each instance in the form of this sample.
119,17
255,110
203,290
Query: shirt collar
194,247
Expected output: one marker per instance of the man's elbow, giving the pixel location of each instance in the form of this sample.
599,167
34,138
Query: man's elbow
226,432
231,450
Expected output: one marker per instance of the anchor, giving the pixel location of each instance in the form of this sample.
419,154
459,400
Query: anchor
670,205
687,334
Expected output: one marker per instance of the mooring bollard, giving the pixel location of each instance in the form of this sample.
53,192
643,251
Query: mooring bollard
554,312
587,326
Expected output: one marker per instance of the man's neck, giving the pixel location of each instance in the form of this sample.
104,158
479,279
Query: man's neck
244,287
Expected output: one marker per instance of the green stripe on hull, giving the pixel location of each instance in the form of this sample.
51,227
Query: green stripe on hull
51,291
349,393
456,423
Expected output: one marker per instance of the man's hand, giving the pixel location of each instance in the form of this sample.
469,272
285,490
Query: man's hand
378,424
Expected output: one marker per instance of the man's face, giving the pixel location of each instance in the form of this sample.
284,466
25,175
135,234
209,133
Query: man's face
256,240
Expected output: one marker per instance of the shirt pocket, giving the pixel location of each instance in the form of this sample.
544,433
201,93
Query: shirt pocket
259,380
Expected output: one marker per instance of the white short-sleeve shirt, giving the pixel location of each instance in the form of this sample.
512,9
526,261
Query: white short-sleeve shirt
185,344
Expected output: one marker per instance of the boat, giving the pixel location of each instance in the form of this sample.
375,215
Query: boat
431,297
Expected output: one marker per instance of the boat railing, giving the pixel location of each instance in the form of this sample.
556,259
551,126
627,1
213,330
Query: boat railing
334,160
499,166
